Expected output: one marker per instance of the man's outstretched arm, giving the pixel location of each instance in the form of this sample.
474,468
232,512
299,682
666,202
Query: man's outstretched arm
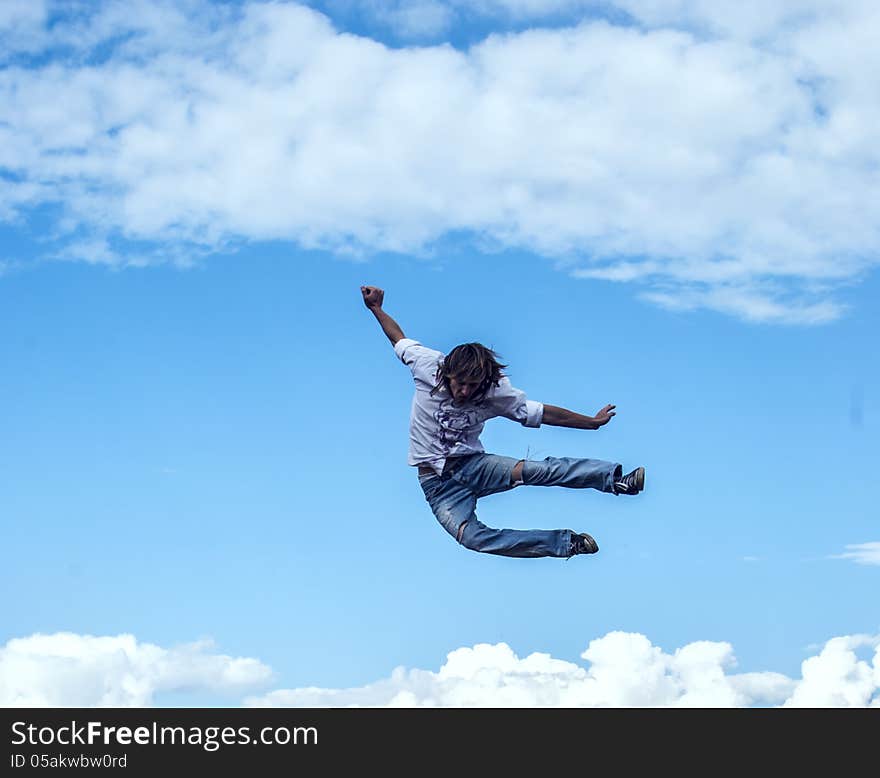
562,417
373,298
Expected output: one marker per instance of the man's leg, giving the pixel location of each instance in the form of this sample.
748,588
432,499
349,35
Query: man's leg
454,502
569,472
523,543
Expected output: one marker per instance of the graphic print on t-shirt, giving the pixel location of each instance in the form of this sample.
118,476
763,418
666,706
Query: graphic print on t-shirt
452,424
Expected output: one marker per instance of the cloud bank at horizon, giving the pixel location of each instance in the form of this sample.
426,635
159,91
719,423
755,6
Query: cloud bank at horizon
622,670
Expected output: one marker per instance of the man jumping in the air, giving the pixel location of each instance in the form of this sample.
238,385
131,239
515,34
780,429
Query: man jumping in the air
455,394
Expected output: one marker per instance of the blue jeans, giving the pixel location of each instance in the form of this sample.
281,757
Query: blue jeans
453,499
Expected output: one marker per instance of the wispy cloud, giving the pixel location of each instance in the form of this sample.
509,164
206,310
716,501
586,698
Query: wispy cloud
440,15
712,163
412,19
862,553
751,301
22,25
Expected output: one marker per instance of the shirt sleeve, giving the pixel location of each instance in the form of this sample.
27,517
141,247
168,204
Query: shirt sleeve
512,403
422,361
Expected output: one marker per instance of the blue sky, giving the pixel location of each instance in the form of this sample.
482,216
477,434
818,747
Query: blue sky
206,498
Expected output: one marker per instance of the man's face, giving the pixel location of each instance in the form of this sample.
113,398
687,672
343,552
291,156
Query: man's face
462,389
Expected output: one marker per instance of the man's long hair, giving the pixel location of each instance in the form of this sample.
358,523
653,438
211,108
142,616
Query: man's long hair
470,362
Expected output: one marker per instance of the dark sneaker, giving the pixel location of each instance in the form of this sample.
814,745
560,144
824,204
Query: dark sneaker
582,543
631,483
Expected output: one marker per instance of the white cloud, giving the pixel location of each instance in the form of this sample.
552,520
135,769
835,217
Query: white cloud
735,172
862,553
69,670
837,678
620,669
624,670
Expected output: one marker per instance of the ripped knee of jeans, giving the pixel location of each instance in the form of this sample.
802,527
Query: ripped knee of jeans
516,475
460,531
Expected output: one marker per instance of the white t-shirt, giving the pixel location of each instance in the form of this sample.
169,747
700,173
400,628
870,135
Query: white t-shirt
438,428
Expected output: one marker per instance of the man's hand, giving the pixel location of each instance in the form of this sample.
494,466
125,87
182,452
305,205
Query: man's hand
604,415
373,296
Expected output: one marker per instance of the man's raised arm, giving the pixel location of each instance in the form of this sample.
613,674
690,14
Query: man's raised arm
562,417
373,297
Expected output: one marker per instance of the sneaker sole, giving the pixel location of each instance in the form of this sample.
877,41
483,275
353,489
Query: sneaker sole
594,546
640,483
640,479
